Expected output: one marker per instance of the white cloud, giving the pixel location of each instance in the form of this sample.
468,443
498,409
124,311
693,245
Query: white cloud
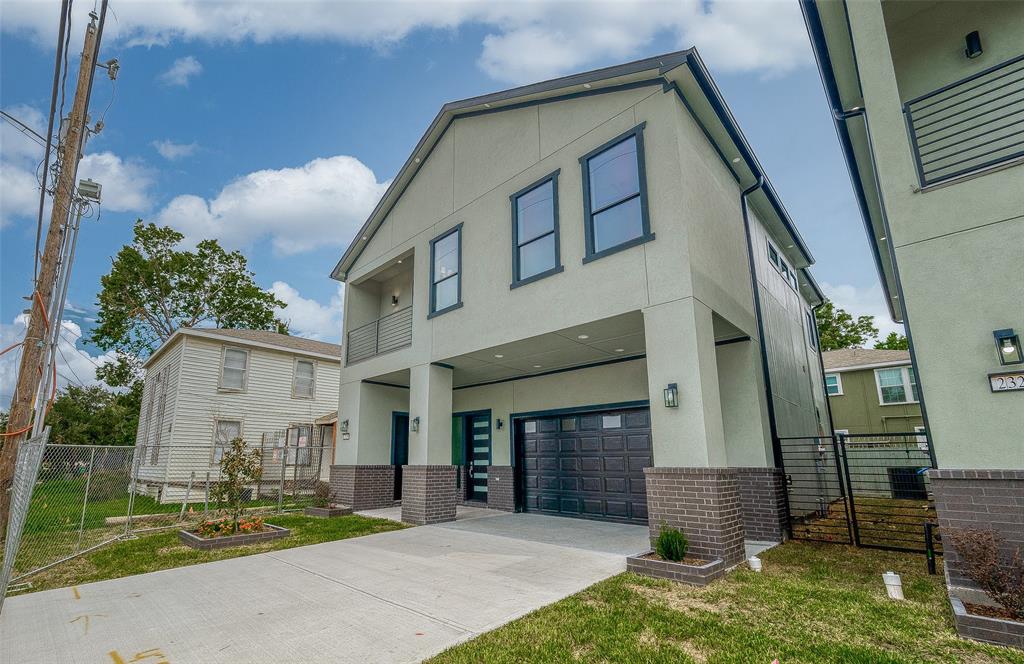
864,302
173,151
74,365
126,182
181,71
307,317
526,40
321,203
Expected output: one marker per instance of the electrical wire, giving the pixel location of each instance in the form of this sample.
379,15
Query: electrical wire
68,366
78,350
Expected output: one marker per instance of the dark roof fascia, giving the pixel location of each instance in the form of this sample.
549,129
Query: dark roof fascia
813,285
819,46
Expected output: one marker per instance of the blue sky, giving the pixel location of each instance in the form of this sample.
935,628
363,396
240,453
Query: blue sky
276,126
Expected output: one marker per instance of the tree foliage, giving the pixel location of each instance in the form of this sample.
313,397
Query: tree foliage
240,467
838,329
95,416
893,342
154,287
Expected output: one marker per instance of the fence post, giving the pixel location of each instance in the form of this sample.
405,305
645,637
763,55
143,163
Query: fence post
284,469
206,499
929,546
131,490
85,501
849,484
845,490
188,493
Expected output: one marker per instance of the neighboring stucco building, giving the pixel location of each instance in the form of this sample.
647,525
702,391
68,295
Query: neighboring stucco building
872,391
205,387
928,99
551,309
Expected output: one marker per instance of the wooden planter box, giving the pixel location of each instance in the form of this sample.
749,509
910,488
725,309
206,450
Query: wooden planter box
695,575
211,543
327,511
990,630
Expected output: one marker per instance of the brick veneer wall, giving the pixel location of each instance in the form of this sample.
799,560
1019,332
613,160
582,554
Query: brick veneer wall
704,503
501,488
429,494
763,503
363,487
983,499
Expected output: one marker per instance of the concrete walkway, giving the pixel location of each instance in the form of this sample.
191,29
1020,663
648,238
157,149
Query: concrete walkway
392,597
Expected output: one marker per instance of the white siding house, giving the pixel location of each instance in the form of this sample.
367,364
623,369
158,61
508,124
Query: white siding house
204,387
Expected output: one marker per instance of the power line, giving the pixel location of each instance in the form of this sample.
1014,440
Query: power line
69,367
24,128
79,350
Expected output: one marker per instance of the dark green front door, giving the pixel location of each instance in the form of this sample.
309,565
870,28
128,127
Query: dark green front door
478,454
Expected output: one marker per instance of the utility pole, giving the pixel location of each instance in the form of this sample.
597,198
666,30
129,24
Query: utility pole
37,332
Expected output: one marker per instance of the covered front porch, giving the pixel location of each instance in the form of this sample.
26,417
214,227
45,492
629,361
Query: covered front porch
576,422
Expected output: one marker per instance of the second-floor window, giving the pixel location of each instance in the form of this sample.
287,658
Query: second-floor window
833,384
896,385
304,380
615,196
446,271
535,231
234,368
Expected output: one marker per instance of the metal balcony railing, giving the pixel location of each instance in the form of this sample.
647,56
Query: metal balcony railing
385,334
972,124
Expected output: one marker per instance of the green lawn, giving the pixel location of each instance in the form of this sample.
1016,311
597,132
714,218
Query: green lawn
149,553
813,603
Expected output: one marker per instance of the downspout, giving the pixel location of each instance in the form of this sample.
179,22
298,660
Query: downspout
751,263
843,116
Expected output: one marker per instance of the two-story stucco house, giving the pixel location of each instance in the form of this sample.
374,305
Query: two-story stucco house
872,391
581,297
206,387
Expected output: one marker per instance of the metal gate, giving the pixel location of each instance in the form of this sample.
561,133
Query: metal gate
870,490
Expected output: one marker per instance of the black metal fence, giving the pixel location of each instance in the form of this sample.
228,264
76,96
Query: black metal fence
871,490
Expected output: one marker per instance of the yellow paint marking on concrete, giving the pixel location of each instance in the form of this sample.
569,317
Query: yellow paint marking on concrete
85,620
74,591
154,653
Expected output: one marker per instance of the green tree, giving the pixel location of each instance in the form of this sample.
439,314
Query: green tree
95,415
240,467
893,342
838,329
154,288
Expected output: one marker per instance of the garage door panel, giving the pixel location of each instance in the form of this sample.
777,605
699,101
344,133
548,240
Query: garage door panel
588,465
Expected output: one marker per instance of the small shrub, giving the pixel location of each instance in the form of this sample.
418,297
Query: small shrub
222,527
1000,576
107,485
240,468
322,494
671,544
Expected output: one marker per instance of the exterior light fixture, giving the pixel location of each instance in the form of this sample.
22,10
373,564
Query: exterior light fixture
672,396
344,426
1008,345
499,424
394,300
414,425
973,49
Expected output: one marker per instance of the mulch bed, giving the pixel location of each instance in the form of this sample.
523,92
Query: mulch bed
688,560
991,612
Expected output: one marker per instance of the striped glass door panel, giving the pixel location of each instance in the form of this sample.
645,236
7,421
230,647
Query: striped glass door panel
478,454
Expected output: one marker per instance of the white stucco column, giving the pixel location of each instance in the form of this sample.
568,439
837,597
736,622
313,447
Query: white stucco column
369,440
748,438
430,399
681,349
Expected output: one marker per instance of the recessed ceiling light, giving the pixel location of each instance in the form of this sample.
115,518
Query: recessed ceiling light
881,239
487,105
536,366
364,238
789,246
620,350
417,160
735,160
586,85
499,356
399,261
582,336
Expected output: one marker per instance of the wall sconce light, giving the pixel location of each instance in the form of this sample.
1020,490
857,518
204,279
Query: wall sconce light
499,424
394,300
344,426
973,49
1008,345
672,396
414,425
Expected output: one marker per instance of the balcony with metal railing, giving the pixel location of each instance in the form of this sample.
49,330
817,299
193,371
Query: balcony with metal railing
383,335
970,125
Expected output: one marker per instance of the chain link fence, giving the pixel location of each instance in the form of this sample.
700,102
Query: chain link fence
87,496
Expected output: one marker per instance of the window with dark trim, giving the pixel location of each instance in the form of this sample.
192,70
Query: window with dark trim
535,242
446,272
812,330
615,195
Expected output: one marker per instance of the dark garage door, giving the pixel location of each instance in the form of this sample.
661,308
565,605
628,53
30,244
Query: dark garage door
587,465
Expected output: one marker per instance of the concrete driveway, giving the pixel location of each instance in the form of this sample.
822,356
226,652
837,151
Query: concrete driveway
392,597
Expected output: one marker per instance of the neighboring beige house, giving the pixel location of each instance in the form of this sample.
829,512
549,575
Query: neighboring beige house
928,99
205,387
872,391
551,309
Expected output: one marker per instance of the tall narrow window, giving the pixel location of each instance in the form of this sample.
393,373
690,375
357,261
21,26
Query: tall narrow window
304,380
812,330
233,372
446,272
615,195
535,239
224,432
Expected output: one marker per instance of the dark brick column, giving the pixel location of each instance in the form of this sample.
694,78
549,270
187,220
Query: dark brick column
763,503
980,499
501,488
704,503
429,494
363,487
